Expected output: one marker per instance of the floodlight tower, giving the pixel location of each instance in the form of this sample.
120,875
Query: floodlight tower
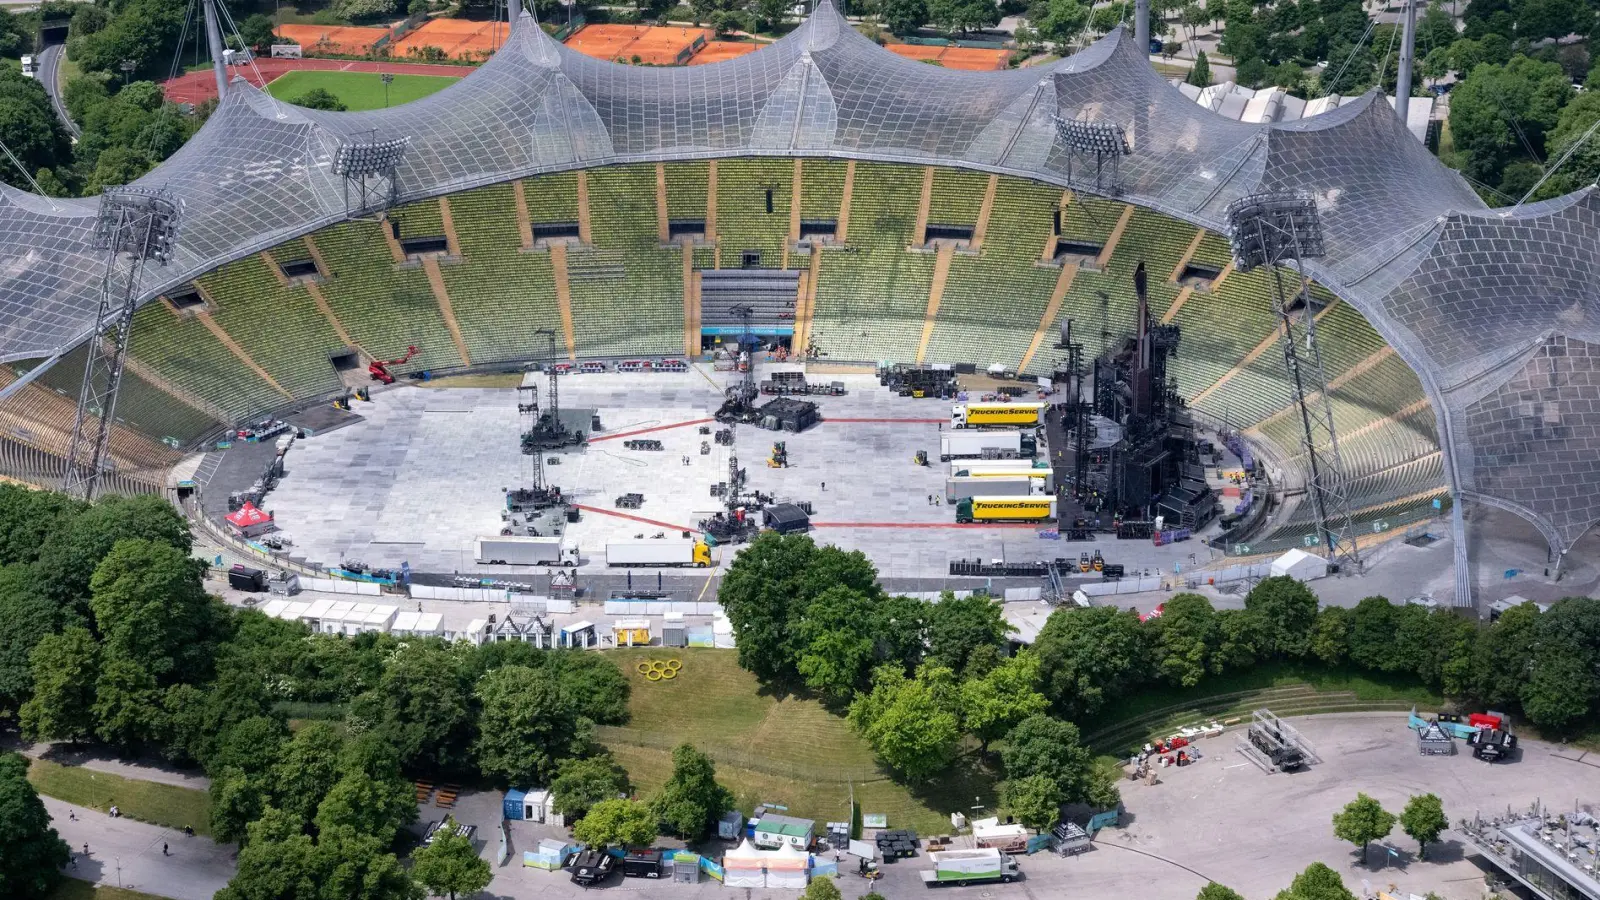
219,69
135,225
1097,145
1279,229
369,168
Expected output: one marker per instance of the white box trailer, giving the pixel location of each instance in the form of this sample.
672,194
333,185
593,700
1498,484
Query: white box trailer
658,552
962,487
999,444
969,867
1003,468
525,551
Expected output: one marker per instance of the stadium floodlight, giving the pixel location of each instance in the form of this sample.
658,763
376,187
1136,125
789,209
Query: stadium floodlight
141,222
361,159
1269,227
1099,138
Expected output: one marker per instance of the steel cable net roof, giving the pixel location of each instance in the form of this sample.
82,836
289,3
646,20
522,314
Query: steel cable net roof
1495,310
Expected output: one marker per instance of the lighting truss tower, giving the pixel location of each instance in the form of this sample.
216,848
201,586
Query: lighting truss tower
1096,147
135,226
1276,229
368,169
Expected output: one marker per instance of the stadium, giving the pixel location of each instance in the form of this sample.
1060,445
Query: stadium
918,215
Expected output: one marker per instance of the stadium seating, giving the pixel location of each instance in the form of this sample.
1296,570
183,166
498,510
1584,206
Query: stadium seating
957,197
622,208
993,301
141,406
873,296
627,292
743,223
384,306
42,414
552,198
278,325
821,188
686,190
501,294
185,352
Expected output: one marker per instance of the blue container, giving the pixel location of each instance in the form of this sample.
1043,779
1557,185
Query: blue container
512,808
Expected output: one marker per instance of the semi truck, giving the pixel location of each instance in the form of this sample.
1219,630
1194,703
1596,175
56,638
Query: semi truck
525,551
1010,444
969,867
1004,469
989,508
658,553
1017,485
1011,414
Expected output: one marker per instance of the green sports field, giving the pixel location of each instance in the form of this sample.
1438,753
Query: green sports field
358,90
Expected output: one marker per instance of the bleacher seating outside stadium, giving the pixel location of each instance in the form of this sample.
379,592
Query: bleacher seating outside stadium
500,294
873,295
993,300
386,307
627,299
278,325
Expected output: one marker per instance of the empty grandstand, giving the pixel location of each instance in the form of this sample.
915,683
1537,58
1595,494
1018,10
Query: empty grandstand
929,214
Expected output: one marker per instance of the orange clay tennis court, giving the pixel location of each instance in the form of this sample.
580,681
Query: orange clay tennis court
717,51
972,59
344,40
655,45
458,38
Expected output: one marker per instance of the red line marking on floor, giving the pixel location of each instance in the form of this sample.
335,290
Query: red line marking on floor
623,434
925,525
888,421
641,519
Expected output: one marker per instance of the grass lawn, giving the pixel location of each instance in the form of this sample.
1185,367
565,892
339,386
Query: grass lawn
358,90
147,801
73,889
770,749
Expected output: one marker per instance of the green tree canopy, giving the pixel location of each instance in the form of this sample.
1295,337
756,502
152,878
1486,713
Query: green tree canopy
65,668
1058,21
151,609
529,723
320,98
1424,820
581,783
1185,634
622,823
958,626
1035,801
1288,611
911,723
1362,821
836,653
1090,657
31,865
1040,745
450,865
422,706
1214,891
995,702
691,799
1317,882
26,617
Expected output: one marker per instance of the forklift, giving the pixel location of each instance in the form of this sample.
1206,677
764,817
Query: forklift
779,458
921,459
1098,562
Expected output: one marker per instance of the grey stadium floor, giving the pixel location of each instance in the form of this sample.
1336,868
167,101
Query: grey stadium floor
421,477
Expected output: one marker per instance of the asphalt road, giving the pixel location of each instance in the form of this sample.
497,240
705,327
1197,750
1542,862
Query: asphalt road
50,76
125,853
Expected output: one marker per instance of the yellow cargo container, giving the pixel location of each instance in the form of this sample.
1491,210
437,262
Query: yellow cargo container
983,415
1006,509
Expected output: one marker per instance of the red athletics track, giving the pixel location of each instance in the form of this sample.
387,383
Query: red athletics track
198,87
611,512
889,421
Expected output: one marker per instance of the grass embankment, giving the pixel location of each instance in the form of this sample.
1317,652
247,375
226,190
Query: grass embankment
73,889
769,749
146,801
1287,690
358,90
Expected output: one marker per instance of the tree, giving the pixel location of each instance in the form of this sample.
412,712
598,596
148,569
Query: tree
127,711
371,796
238,798
821,889
625,823
31,866
1288,612
65,667
597,680
256,31
957,626
1424,820
363,9
1035,801
450,865
1089,657
1559,693
281,861
691,799
528,724
1040,745
320,98
67,561
1480,123
995,702
1317,882
1059,21
1253,72
151,609
1330,639
1214,891
26,617
1185,634
581,783
307,769
836,653
29,127
29,517
1504,657
910,725
1436,29
143,32
1362,821
422,706
1372,626
961,16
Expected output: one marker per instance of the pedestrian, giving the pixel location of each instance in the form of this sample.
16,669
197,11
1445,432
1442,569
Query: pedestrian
73,816
85,848
824,487
164,849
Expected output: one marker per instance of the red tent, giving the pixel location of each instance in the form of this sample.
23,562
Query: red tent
249,521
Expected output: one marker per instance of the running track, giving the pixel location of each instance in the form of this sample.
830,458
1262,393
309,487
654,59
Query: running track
198,87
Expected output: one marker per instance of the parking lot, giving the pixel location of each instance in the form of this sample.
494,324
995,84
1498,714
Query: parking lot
1221,819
